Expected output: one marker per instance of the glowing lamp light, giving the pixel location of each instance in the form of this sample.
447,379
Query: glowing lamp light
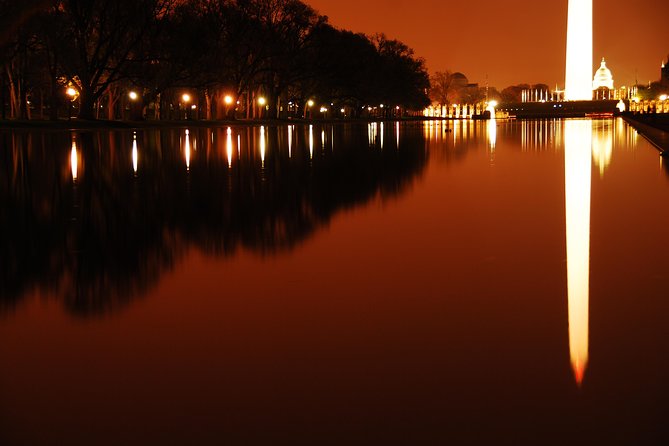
324,109
310,103
132,95
186,97
228,146
71,92
135,156
187,150
342,110
263,145
228,100
262,101
74,160
621,106
663,97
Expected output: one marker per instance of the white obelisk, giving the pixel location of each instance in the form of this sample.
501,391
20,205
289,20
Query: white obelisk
578,79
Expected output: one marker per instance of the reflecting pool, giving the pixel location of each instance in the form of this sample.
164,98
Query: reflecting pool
499,282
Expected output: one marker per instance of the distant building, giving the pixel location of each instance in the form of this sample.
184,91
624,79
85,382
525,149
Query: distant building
458,80
603,77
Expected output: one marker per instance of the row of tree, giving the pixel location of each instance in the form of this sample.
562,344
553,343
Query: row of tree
226,54
447,88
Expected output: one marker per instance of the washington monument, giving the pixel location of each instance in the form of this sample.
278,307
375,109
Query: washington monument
578,76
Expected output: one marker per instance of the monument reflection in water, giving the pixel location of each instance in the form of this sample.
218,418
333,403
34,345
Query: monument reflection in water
578,162
334,285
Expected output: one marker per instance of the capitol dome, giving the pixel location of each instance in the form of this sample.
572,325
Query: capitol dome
603,77
458,80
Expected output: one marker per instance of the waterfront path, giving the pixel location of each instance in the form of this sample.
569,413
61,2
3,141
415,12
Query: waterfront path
654,128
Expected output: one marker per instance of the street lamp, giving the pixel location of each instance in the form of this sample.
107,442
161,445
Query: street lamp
228,100
186,99
72,93
133,107
261,103
310,103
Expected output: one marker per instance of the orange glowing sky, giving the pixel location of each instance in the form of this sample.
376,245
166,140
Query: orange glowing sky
513,41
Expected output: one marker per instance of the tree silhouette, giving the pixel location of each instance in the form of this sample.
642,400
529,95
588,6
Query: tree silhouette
103,239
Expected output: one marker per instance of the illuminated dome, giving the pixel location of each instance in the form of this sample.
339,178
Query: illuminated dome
459,80
603,77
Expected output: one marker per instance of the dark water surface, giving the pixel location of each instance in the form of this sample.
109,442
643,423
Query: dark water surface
382,284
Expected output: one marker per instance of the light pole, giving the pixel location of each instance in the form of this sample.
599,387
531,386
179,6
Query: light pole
72,93
186,100
310,103
133,96
228,100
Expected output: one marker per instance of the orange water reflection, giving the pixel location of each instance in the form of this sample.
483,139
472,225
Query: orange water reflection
350,295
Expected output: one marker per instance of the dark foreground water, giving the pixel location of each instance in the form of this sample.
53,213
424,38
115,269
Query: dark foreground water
494,283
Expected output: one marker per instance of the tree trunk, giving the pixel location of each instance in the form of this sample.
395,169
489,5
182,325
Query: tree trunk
14,89
207,105
158,108
3,86
23,105
53,100
86,105
41,103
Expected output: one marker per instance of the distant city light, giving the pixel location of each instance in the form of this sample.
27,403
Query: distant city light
324,109
621,106
663,97
342,110
132,95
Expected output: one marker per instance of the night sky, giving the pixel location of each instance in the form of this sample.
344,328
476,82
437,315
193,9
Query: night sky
513,41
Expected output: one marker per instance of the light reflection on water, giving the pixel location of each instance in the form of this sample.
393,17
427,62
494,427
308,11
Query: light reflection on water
469,264
578,137
269,200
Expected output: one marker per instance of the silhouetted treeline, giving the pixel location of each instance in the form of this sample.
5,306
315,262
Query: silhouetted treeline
224,54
